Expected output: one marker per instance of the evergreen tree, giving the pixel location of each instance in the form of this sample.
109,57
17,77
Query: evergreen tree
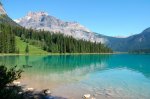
27,49
48,41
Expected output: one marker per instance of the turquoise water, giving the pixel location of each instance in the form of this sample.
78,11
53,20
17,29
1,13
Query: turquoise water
118,76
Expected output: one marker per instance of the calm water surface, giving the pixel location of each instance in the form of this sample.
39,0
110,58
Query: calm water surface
121,76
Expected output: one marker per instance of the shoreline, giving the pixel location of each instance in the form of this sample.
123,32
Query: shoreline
13,54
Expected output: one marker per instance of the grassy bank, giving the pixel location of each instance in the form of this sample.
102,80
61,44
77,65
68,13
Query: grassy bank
32,49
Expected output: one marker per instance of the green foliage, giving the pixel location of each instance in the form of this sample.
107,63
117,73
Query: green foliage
56,42
7,76
27,49
7,40
33,49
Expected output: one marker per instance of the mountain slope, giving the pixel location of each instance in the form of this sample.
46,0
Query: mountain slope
41,20
4,18
2,10
32,49
139,41
134,42
48,41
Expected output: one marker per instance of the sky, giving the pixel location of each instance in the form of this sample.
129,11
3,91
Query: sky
108,17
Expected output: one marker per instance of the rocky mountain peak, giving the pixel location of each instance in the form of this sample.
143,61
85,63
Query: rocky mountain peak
37,14
42,20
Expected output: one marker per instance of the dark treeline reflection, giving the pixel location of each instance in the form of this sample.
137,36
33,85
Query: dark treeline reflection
9,60
62,63
68,62
54,63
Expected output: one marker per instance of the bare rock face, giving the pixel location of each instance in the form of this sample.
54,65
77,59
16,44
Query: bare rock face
2,10
41,20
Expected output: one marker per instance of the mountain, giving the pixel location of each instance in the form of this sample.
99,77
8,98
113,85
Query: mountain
2,10
47,41
139,41
4,18
134,42
41,20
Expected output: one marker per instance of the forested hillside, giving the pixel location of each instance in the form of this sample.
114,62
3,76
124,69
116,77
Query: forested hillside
48,41
4,19
140,51
7,39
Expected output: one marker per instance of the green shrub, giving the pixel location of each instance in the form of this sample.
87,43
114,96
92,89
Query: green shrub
7,76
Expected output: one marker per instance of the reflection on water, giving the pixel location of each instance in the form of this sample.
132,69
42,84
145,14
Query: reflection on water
55,70
106,76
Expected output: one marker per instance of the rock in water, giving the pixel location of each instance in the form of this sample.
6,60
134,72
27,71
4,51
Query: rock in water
87,96
47,92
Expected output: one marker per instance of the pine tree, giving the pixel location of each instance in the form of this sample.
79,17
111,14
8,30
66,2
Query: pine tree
27,49
48,41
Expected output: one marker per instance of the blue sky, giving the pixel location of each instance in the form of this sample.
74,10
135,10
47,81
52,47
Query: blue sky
108,17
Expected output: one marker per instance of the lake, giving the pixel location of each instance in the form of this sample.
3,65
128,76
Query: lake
116,76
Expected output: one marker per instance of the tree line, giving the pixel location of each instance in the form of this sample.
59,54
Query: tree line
48,41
